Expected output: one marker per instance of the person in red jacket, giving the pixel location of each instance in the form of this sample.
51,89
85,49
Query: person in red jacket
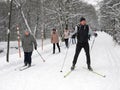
55,40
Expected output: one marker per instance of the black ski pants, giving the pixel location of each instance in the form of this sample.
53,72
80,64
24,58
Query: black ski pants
66,42
57,46
27,58
79,46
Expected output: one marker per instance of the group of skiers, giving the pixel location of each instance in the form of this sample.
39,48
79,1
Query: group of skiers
82,32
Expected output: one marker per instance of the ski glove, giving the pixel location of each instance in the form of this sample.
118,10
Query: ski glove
35,47
89,37
95,34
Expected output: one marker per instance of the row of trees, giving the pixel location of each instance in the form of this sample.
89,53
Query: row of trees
110,18
40,16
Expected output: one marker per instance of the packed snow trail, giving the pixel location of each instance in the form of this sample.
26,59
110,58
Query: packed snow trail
47,76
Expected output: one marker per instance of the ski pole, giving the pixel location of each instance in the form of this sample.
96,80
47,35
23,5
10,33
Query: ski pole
41,56
64,61
93,43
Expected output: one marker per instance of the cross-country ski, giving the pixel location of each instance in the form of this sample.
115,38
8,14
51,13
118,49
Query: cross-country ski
68,73
96,73
24,68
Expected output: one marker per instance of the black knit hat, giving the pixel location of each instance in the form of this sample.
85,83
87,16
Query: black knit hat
82,19
54,29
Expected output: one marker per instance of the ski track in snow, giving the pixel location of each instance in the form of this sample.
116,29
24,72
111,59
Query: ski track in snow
46,76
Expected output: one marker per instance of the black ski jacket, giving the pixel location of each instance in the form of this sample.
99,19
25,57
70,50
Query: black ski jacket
82,33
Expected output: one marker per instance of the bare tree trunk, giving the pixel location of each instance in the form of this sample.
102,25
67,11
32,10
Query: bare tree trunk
26,22
37,19
23,15
42,25
18,34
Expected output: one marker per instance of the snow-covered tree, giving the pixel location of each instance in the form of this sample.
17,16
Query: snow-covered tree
109,17
43,15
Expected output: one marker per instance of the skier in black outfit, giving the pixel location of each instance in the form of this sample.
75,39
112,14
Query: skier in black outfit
82,31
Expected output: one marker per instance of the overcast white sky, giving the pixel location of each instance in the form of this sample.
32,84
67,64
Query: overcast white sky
93,2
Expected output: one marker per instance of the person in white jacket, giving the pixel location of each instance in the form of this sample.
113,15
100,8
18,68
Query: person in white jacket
66,37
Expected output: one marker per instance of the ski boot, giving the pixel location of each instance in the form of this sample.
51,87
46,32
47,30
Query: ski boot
25,65
72,68
29,65
90,68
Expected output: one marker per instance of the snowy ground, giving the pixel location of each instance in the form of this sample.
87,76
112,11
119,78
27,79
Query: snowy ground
46,76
